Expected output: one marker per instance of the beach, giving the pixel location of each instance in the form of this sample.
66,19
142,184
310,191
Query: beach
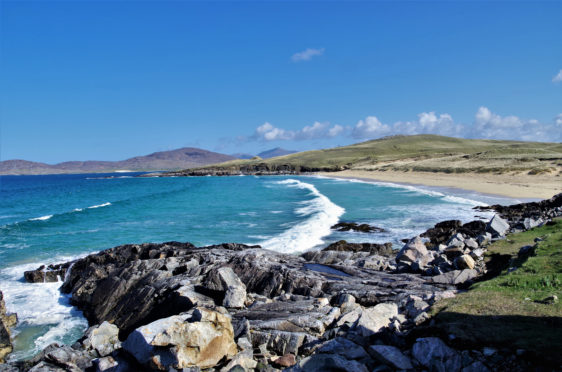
509,185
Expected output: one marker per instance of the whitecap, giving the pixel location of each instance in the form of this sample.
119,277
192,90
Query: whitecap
42,218
322,214
99,205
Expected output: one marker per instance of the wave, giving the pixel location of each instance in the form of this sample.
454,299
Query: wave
41,309
322,213
42,218
99,205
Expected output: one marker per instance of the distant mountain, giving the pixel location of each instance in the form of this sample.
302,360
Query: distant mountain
278,151
242,156
183,158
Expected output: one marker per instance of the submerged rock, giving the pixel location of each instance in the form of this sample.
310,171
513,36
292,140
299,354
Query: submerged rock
352,226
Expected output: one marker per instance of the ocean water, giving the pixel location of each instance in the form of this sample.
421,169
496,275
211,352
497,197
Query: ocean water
50,219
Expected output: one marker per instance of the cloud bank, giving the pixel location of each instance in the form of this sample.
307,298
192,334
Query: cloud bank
486,125
558,77
307,54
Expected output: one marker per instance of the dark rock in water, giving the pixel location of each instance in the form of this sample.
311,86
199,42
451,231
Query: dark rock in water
352,226
6,322
51,273
442,231
525,215
371,248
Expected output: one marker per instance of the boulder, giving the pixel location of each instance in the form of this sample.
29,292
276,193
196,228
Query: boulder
497,226
471,243
6,322
371,248
344,347
47,274
455,277
200,339
373,319
434,354
327,362
464,262
391,356
103,339
414,252
225,280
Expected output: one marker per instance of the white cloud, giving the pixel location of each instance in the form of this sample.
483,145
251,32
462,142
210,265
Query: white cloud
558,119
371,127
493,126
558,77
307,54
268,132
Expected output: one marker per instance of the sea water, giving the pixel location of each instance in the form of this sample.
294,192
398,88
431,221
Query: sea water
52,219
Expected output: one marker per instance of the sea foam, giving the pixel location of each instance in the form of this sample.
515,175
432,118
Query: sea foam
322,213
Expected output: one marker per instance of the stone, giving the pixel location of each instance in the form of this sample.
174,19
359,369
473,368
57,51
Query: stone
477,253
391,356
464,262
46,274
453,252
243,360
551,300
224,279
476,367
327,362
484,239
6,322
414,252
373,319
471,243
344,347
526,250
455,277
434,354
370,248
352,226
103,338
286,361
530,223
497,226
200,339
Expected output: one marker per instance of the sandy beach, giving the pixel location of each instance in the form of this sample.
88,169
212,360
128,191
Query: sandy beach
510,185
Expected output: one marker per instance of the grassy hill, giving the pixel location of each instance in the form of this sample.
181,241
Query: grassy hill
422,153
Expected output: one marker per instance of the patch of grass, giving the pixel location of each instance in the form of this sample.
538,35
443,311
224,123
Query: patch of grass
507,310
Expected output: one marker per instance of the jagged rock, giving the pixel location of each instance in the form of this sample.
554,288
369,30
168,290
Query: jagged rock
477,253
455,277
471,243
373,319
242,359
434,354
484,239
6,322
327,362
199,339
344,347
46,274
225,280
414,252
352,226
103,338
391,356
371,248
55,357
464,262
497,226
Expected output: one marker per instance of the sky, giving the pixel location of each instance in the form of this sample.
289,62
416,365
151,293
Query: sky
111,80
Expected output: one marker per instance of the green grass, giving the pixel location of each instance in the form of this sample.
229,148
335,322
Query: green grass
507,310
429,153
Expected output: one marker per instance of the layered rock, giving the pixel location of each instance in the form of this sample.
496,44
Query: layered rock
6,322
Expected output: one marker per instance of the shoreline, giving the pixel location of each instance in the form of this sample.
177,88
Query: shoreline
507,186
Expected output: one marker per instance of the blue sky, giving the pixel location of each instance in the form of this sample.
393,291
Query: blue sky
110,80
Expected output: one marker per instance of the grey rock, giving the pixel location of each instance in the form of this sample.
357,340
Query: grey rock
497,226
103,338
434,354
476,367
327,362
344,347
455,277
484,239
414,252
464,262
471,243
391,356
373,319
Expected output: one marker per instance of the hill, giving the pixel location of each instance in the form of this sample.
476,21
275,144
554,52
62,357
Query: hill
186,157
419,153
273,153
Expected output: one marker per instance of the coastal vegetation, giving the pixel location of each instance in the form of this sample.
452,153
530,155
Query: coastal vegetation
418,153
519,307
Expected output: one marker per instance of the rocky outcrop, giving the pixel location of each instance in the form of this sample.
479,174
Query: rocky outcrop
260,169
352,226
6,322
370,248
45,274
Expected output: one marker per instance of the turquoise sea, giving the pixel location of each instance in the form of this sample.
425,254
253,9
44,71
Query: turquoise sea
50,219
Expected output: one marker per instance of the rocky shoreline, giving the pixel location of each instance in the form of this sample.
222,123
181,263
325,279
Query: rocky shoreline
260,169
233,307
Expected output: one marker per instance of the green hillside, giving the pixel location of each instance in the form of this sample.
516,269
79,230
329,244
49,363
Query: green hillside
420,153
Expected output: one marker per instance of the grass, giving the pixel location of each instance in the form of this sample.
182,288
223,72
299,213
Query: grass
508,310
425,153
